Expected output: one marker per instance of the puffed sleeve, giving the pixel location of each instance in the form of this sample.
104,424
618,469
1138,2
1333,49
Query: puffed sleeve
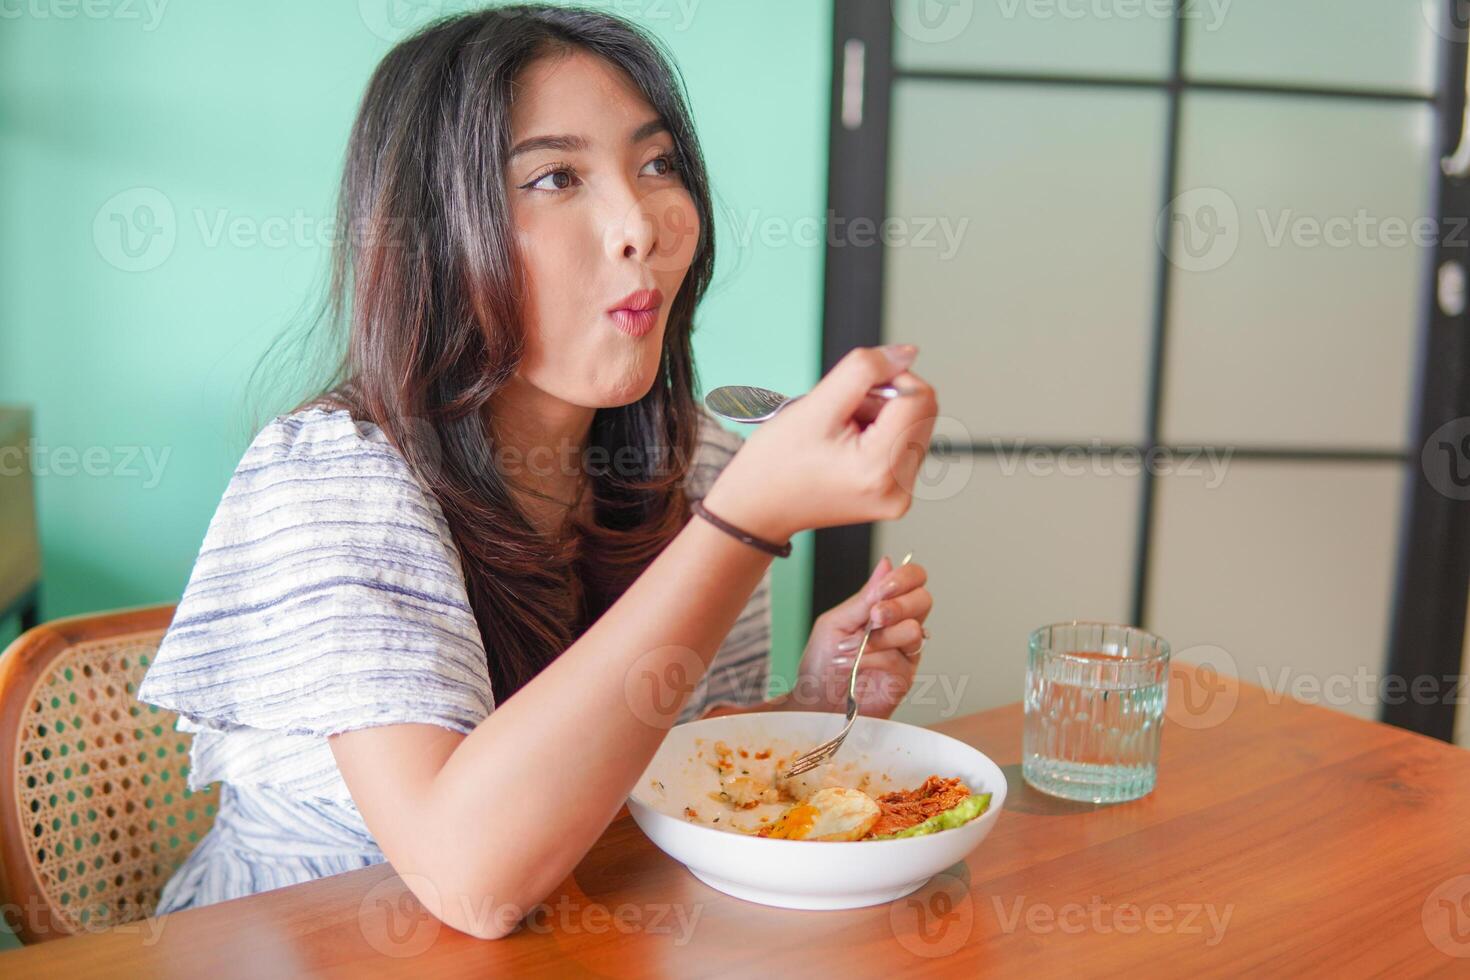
327,596
740,673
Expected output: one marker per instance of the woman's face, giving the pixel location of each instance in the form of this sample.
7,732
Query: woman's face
605,228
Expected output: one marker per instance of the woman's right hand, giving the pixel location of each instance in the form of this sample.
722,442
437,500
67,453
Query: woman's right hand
826,459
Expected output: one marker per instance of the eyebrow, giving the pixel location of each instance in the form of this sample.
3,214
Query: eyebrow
575,144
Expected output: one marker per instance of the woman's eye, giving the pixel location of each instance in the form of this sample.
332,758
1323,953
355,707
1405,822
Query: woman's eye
662,166
559,179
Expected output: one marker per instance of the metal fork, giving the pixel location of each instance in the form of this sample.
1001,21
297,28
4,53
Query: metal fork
825,751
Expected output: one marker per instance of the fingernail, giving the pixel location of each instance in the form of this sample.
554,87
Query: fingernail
851,643
889,587
901,354
880,617
841,661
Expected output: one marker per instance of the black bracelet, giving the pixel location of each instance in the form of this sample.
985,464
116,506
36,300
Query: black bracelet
779,550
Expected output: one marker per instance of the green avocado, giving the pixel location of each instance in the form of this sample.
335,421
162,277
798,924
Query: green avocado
961,813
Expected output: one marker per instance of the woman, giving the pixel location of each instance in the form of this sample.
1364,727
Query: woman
462,588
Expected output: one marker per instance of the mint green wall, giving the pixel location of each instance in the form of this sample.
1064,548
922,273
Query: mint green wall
236,115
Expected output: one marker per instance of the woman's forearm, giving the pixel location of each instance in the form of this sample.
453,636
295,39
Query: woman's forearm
525,795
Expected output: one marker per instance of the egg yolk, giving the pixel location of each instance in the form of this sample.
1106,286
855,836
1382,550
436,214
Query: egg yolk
794,824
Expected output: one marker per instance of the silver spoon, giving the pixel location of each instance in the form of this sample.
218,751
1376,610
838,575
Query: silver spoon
810,760
747,403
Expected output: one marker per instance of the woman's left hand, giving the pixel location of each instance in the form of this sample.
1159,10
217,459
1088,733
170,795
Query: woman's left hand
897,602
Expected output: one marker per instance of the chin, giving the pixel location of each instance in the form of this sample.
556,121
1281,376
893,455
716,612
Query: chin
626,396
631,390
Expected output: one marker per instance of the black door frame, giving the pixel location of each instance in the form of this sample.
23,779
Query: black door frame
857,187
1432,582
1427,633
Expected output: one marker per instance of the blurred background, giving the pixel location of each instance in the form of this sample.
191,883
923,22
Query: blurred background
1188,277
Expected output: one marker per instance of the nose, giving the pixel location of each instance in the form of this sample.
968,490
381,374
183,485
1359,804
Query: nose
632,228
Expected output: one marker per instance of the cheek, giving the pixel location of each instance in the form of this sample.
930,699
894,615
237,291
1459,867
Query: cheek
677,223
555,255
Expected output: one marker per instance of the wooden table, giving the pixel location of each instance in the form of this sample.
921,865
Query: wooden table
1282,839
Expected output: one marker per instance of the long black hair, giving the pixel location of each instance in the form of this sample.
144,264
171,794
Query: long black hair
426,284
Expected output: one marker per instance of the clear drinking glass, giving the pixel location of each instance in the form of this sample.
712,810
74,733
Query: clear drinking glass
1094,708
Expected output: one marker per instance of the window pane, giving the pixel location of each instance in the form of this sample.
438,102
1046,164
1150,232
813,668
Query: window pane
1361,44
1022,544
1028,287
1297,294
1040,36
1285,566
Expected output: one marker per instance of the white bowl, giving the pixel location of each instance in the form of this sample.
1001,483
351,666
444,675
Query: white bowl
810,874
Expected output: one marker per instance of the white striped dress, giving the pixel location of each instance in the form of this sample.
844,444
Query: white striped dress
328,596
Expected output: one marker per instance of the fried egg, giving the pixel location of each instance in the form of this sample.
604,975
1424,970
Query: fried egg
830,814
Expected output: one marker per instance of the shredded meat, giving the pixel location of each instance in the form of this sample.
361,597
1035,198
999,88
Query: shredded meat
904,808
